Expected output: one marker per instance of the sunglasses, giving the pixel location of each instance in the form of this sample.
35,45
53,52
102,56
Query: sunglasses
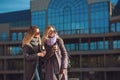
37,33
52,31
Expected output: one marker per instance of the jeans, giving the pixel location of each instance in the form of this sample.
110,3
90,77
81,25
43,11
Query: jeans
37,77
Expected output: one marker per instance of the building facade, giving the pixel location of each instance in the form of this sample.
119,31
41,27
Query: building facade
91,32
90,29
13,26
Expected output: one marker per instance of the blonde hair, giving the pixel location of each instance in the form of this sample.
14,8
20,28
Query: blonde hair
30,35
46,31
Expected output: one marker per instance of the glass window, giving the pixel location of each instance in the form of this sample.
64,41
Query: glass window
74,75
14,77
14,36
93,46
113,75
1,76
83,46
100,45
112,28
106,44
4,36
15,51
99,18
113,60
1,51
118,27
19,36
72,47
68,16
93,61
116,44
15,64
1,65
39,19
75,61
67,47
93,75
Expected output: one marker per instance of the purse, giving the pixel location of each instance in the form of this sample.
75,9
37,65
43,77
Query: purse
69,62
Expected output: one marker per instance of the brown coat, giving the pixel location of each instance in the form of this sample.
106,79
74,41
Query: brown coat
31,61
55,61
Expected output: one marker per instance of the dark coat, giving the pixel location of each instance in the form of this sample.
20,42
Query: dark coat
56,59
31,61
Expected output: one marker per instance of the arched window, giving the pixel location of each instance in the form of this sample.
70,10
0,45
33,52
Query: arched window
67,19
69,15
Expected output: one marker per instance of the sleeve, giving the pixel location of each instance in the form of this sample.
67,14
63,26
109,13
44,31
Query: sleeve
43,52
64,54
27,54
48,52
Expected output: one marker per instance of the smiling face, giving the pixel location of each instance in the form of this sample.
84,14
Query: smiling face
51,32
37,33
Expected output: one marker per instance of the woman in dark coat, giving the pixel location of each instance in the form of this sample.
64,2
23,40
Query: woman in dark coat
33,51
56,58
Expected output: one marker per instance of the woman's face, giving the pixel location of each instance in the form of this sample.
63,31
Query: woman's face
51,32
37,34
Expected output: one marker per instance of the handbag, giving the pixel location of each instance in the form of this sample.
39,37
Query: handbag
69,62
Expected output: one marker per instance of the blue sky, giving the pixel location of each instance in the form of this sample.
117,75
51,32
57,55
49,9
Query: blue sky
13,5
16,5
114,1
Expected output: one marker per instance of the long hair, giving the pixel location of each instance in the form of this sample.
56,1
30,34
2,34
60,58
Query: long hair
46,31
30,35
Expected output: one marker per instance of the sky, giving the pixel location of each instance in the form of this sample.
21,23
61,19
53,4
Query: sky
114,1
13,5
17,5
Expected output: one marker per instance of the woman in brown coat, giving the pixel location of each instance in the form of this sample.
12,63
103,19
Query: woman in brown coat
56,58
33,51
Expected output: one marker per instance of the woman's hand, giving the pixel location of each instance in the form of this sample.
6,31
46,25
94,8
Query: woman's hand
55,48
41,54
63,71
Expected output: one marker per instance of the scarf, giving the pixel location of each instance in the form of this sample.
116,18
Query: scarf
34,41
51,41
